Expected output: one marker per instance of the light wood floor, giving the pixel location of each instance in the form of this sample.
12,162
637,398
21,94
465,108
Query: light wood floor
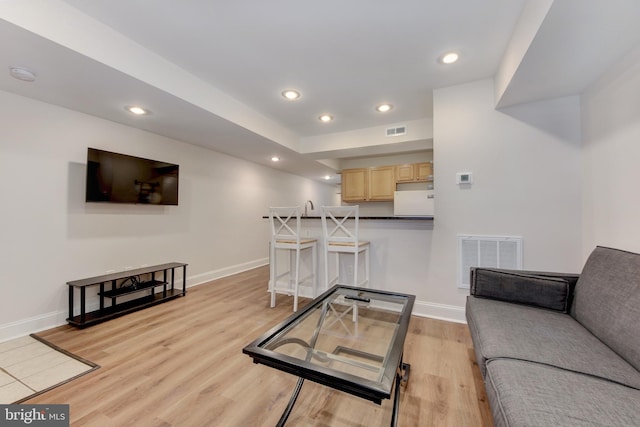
181,364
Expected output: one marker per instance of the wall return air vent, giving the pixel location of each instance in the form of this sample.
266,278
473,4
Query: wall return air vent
397,131
487,251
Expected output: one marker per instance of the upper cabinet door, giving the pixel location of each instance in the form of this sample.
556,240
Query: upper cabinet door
406,172
354,184
424,171
382,183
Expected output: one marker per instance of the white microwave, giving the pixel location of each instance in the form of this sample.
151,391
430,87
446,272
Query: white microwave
413,203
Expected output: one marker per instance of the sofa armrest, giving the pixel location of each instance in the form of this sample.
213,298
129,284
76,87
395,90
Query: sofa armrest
536,288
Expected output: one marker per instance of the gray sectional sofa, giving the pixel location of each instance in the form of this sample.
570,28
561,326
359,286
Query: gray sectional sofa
560,349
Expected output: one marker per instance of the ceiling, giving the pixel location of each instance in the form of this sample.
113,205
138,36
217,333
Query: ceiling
212,72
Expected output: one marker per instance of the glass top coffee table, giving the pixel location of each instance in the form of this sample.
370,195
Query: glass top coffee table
348,338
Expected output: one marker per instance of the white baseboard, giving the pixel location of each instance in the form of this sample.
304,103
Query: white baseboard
450,313
224,272
20,328
50,320
31,325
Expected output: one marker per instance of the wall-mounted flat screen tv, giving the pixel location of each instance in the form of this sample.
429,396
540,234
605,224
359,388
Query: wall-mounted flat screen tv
119,178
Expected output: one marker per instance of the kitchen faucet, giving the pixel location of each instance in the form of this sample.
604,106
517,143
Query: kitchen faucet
309,202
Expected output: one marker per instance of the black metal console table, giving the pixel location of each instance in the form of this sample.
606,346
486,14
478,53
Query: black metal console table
125,283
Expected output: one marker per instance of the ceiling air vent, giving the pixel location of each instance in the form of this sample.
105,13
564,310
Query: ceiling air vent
396,131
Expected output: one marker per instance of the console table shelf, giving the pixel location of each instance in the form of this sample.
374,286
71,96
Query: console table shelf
130,289
149,294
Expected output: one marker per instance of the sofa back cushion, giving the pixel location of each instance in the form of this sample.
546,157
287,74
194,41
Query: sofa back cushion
607,300
521,287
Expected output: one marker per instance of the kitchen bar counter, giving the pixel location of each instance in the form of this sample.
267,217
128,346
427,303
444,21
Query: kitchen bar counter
400,250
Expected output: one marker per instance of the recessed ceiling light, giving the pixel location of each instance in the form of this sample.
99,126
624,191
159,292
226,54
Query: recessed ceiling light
327,177
291,94
449,58
22,73
138,111
275,159
325,118
383,108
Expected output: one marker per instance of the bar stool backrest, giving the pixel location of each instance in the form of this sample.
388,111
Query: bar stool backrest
285,224
336,227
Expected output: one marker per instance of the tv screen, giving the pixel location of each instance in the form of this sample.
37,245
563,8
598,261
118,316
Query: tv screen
119,178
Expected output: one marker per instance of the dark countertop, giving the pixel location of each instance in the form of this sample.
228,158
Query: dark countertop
412,218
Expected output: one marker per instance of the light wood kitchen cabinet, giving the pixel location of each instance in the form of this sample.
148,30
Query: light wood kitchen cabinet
355,184
414,172
378,184
368,184
382,183
406,172
424,171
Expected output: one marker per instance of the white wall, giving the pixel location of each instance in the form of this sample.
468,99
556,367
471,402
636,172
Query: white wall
396,159
526,166
611,138
529,175
51,236
528,25
418,131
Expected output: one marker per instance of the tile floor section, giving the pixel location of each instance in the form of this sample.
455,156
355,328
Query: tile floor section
28,366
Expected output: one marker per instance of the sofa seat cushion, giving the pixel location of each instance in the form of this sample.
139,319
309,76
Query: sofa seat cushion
505,330
529,394
607,300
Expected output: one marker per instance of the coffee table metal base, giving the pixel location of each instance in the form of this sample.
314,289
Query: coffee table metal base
402,376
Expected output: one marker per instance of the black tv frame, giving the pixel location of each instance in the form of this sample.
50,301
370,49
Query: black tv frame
121,178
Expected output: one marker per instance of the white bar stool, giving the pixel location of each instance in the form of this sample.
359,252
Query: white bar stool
285,235
340,232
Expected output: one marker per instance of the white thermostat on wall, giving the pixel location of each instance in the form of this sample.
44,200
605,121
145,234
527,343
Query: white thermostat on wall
464,178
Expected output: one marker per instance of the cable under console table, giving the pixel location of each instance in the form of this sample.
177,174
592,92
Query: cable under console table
154,284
